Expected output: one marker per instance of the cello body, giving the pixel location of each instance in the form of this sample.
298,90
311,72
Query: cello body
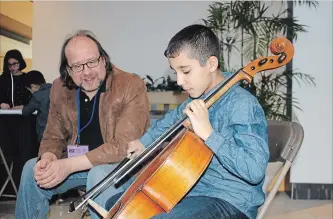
165,181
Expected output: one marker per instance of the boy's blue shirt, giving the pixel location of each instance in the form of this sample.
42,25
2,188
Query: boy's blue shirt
240,146
39,101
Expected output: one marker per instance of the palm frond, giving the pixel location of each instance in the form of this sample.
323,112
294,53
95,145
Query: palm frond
245,27
309,3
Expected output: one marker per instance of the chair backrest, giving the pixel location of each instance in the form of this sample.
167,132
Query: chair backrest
284,140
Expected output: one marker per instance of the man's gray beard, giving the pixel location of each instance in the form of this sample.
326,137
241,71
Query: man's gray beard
99,85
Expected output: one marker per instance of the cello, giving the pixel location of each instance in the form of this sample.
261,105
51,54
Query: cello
174,165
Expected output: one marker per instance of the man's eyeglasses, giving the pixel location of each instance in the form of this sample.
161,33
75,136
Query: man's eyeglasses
13,64
91,64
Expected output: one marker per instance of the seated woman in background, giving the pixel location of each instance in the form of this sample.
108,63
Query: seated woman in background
13,94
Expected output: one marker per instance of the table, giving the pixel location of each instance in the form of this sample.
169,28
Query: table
18,140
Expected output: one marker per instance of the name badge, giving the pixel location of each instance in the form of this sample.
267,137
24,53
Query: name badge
74,150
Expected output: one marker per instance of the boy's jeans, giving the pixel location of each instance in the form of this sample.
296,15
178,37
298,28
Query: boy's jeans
33,202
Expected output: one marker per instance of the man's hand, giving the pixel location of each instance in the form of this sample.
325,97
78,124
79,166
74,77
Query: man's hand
134,149
4,106
42,165
18,107
54,174
199,117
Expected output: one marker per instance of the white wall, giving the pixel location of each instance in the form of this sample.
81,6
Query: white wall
313,55
8,44
135,34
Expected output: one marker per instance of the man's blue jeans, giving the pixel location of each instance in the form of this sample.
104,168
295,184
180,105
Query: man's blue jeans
195,207
33,202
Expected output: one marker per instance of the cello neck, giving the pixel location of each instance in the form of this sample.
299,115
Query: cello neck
224,86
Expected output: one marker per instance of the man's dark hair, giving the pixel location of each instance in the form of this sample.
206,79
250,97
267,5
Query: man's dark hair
15,54
198,40
64,74
34,77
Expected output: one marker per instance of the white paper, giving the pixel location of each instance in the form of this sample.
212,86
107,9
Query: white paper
12,112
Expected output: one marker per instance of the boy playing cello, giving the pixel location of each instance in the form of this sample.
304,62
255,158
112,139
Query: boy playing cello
234,128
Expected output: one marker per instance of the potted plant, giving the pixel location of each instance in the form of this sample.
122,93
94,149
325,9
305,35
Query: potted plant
245,30
164,91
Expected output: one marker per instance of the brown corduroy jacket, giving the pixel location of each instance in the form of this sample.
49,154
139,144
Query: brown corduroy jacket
123,117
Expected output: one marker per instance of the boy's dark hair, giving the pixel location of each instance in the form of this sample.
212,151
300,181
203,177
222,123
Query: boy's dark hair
198,40
14,54
34,77
64,74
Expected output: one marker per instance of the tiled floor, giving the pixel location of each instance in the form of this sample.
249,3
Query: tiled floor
282,208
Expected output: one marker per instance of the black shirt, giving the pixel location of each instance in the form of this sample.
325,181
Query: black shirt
21,94
91,135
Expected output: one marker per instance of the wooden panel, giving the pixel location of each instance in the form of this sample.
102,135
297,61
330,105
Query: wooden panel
167,97
21,11
15,26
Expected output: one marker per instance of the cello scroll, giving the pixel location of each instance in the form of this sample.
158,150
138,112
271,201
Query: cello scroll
283,50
